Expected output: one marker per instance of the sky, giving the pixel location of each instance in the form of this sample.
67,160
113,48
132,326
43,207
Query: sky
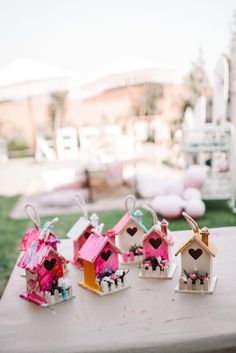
84,36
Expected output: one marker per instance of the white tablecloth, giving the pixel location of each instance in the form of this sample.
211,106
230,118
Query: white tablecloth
148,317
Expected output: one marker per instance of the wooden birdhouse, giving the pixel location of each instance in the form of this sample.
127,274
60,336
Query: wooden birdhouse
45,268
197,255
102,274
129,232
157,250
81,230
34,233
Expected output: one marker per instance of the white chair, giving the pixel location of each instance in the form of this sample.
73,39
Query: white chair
66,143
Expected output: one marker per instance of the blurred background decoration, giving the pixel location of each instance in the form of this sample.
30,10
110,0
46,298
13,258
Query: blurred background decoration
130,127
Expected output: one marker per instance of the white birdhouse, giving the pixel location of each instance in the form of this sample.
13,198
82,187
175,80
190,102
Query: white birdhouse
197,255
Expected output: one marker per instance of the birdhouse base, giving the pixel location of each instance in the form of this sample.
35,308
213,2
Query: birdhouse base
130,260
65,268
48,300
167,273
101,292
185,288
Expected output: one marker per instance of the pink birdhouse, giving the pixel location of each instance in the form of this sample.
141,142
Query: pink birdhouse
45,268
81,230
129,232
157,254
102,274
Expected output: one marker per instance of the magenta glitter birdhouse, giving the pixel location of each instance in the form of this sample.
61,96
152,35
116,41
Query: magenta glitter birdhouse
45,269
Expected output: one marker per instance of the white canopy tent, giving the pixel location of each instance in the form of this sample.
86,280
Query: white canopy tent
126,71
26,78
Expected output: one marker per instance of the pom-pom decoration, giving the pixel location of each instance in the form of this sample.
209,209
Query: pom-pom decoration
195,208
191,193
195,176
169,206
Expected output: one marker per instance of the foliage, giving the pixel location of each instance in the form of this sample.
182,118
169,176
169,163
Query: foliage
17,148
197,81
147,102
57,109
11,232
16,145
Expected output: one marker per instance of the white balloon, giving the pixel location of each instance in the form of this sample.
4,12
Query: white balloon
195,208
191,193
169,206
149,187
195,176
174,187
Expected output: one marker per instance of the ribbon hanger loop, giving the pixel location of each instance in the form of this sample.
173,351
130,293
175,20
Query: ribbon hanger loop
153,213
80,201
193,224
130,202
31,212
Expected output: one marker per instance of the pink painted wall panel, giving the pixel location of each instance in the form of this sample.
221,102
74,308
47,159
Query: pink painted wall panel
107,259
155,246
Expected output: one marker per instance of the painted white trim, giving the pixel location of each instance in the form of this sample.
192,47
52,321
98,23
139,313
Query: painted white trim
210,290
158,274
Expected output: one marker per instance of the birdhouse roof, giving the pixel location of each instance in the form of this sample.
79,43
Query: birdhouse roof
35,255
78,228
94,246
211,249
167,238
33,234
110,233
124,221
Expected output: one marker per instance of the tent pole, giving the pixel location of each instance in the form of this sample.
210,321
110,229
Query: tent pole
32,123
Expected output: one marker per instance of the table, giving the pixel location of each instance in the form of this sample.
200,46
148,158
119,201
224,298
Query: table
148,317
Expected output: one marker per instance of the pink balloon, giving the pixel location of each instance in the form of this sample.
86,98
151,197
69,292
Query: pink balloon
195,176
195,208
191,193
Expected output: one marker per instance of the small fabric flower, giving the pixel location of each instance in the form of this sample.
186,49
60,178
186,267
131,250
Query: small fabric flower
193,276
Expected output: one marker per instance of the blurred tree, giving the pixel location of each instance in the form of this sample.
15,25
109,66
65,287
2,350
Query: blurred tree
147,101
197,81
57,109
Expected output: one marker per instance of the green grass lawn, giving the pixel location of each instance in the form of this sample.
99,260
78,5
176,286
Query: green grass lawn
11,231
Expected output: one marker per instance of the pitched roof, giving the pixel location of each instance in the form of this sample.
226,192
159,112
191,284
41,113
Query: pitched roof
35,255
168,239
33,234
211,249
93,247
124,220
78,228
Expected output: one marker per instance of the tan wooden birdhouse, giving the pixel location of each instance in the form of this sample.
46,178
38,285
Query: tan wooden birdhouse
197,254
